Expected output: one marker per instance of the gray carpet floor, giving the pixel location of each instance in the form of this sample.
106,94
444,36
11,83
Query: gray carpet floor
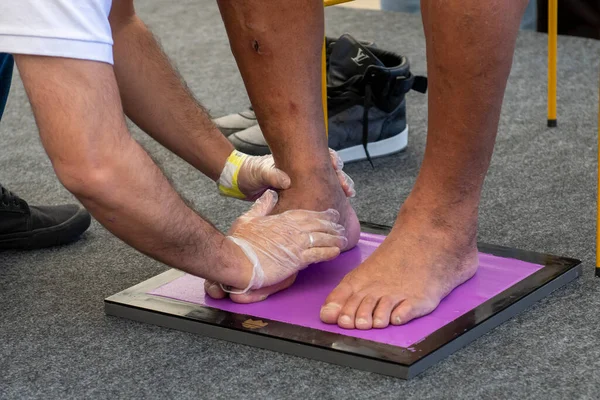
56,342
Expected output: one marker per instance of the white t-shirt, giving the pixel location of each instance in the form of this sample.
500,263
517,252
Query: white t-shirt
59,28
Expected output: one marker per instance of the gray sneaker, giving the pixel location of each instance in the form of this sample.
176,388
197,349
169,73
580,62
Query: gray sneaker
250,141
232,123
366,90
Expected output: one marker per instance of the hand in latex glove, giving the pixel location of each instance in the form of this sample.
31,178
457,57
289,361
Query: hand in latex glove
247,177
280,245
345,180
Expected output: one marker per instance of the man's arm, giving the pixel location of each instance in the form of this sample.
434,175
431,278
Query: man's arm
79,115
78,111
157,100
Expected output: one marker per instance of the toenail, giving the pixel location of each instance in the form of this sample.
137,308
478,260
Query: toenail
398,320
332,306
361,321
214,287
263,297
377,322
345,320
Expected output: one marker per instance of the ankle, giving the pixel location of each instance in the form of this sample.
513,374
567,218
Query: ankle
316,179
454,200
313,191
458,221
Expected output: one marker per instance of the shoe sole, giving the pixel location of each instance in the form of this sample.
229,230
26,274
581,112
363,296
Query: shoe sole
249,148
230,131
385,147
63,233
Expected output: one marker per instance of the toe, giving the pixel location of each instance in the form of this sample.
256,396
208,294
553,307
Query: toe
348,314
214,290
410,309
381,315
261,294
364,314
330,311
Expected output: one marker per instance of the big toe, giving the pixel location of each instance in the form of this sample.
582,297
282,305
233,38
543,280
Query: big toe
410,309
331,309
261,294
213,289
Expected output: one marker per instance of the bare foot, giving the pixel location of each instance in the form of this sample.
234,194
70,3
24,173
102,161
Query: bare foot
421,261
312,197
317,193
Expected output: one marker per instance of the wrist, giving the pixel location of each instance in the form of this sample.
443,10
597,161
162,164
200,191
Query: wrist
223,157
237,268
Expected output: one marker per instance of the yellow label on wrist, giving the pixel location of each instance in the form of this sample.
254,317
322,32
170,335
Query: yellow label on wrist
228,181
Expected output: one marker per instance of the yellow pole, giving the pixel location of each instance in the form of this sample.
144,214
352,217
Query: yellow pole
328,3
324,86
552,60
598,189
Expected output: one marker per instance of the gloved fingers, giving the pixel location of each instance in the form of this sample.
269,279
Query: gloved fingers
300,216
213,289
336,160
264,205
345,180
258,173
271,176
347,183
318,239
318,225
261,294
319,254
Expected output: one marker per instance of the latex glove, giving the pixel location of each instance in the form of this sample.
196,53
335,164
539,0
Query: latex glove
247,177
280,245
345,180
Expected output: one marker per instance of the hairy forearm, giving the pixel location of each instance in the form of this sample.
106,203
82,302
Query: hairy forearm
79,115
132,199
157,100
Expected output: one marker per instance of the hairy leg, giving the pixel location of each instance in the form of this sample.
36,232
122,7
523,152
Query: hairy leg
277,46
432,247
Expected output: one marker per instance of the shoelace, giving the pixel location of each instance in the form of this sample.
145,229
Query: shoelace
418,83
365,122
7,197
367,104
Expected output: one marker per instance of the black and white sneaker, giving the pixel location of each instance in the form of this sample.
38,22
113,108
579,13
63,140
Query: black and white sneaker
233,123
366,89
26,227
